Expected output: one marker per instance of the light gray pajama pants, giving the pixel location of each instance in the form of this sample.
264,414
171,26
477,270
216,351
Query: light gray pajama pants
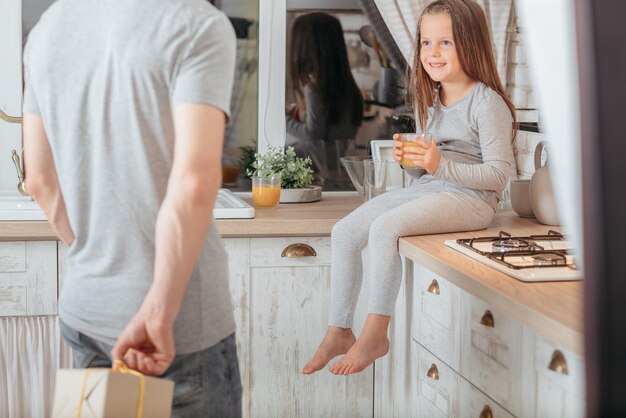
426,207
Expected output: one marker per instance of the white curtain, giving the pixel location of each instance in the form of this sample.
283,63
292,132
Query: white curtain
401,17
31,350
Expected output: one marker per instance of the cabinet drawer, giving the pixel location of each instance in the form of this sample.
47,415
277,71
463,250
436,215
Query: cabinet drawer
28,278
436,316
492,352
442,392
437,386
475,404
560,381
289,252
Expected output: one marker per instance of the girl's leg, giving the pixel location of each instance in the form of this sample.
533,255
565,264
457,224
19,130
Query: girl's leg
348,239
428,214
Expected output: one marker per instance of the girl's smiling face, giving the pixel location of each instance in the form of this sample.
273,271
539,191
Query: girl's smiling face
437,50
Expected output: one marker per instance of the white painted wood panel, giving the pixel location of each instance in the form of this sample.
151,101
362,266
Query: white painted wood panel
491,357
29,284
395,382
12,257
437,396
238,250
558,395
267,252
436,322
281,308
473,403
289,313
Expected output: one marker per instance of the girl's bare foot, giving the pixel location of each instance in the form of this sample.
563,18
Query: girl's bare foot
336,341
372,344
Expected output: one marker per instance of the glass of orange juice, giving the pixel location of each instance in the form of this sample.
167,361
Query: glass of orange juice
408,140
265,191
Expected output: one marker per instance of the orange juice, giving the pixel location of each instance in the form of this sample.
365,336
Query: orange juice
266,196
405,161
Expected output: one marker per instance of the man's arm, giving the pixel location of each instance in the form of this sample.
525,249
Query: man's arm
147,343
41,177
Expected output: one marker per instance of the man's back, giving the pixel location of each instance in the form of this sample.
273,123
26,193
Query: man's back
105,77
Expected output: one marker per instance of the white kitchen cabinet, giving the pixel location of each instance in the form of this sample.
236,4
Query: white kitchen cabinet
436,319
28,278
31,347
467,359
491,352
559,375
281,308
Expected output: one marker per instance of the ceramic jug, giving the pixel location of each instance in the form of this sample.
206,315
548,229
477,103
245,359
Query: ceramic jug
542,200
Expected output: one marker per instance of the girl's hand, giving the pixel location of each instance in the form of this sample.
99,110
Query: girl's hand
424,154
397,147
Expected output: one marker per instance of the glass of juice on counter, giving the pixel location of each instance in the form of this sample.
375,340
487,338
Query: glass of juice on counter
408,140
265,191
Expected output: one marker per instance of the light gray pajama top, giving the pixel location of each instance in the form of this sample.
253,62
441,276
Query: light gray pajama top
473,136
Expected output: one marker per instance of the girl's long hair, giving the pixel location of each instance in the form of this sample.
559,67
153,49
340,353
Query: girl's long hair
473,47
318,57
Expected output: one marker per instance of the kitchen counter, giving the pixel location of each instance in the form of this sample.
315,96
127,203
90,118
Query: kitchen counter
550,308
288,219
553,309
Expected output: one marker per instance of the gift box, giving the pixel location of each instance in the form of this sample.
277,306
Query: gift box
111,393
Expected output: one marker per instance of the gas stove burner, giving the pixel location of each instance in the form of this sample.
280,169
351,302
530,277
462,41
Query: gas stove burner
513,244
551,259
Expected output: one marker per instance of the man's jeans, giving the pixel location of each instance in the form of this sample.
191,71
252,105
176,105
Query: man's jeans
207,383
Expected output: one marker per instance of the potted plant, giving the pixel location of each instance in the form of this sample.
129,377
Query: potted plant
295,172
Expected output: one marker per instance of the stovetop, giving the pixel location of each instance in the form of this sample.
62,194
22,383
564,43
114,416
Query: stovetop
528,258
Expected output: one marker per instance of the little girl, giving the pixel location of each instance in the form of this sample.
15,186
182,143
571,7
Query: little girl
460,100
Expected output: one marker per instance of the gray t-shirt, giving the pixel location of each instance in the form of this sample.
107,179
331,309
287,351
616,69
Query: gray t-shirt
473,136
105,76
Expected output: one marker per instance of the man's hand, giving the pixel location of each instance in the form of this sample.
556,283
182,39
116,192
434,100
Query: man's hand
147,342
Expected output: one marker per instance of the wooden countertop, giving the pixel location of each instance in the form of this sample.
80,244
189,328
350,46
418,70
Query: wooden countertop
293,219
288,219
553,309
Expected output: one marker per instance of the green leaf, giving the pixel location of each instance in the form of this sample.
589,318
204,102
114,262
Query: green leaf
295,172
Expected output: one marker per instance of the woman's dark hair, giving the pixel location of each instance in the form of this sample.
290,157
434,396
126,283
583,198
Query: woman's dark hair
319,58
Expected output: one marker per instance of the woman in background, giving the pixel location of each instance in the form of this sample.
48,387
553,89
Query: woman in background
329,104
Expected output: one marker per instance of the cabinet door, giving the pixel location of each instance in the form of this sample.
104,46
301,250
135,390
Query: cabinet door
28,278
281,305
560,381
491,356
436,315
10,89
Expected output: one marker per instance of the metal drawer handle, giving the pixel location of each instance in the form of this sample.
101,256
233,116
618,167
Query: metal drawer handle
487,319
298,250
558,363
433,372
486,412
434,287
10,119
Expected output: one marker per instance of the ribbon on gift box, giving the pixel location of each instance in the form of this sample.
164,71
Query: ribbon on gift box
120,367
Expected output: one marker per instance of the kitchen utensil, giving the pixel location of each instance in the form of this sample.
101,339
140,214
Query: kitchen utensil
520,198
542,199
368,176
